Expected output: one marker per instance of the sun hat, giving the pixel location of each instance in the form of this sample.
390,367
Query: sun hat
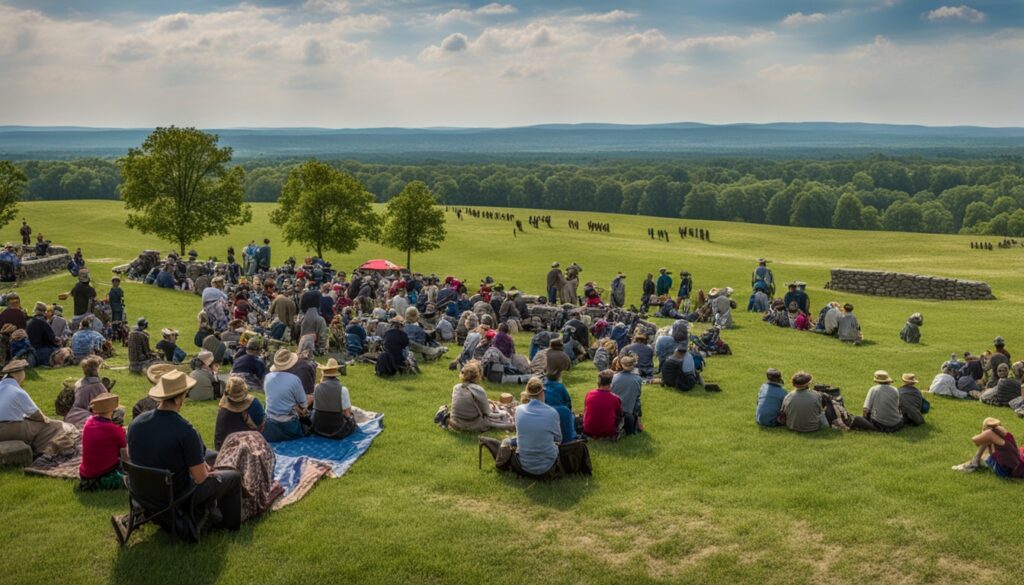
284,360
172,384
534,387
168,332
728,291
156,371
412,314
40,307
331,368
640,336
205,356
555,264
714,292
7,329
236,396
909,379
628,362
882,377
104,402
15,365
802,379
663,270
506,398
773,374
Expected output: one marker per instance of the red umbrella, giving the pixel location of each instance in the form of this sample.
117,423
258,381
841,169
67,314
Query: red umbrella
380,265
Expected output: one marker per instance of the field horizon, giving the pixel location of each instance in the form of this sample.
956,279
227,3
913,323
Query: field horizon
703,496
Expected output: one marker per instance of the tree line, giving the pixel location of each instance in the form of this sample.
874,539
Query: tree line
976,196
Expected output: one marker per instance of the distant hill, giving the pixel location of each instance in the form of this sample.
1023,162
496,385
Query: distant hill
803,139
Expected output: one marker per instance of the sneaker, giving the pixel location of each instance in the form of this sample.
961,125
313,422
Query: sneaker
966,467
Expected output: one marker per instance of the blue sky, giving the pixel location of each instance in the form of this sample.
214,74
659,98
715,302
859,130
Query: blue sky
359,63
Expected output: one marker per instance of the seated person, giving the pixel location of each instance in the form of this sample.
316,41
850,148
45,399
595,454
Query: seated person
21,419
604,354
912,404
86,341
556,395
881,407
40,335
286,400
911,332
1005,389
556,361
103,440
602,409
1004,458
802,407
238,412
394,359
679,370
213,344
498,368
419,342
332,406
537,451
471,410
88,387
207,384
769,400
163,439
628,385
944,384
848,328
168,348
643,352
140,356
249,365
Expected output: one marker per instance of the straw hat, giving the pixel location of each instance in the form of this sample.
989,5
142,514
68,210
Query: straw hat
909,379
105,402
555,264
713,292
167,332
284,360
40,307
728,291
330,368
882,377
236,396
628,362
802,379
7,329
206,357
253,345
506,398
172,384
157,371
534,390
15,365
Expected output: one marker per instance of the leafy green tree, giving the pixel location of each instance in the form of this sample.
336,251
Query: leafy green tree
412,222
732,201
701,202
631,195
998,225
1015,224
446,189
780,206
13,185
936,219
863,181
178,186
1004,204
848,213
656,199
905,216
556,191
870,219
533,192
582,192
323,208
976,213
609,196
812,208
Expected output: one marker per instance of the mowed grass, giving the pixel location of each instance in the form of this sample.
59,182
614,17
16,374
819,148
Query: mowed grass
704,496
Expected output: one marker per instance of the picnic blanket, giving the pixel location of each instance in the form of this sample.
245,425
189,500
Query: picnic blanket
299,463
302,462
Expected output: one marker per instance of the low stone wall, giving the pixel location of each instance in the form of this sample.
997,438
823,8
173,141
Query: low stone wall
914,286
56,261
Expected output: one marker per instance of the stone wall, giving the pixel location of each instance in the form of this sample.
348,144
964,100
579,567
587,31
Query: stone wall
56,261
914,286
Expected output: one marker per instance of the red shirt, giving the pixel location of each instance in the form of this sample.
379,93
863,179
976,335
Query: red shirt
102,441
601,409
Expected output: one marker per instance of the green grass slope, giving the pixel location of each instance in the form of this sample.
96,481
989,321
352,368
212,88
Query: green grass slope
704,496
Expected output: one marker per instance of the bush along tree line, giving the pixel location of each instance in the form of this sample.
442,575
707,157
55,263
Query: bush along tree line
974,196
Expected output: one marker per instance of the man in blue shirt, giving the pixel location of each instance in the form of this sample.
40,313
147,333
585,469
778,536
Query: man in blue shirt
556,395
664,284
769,399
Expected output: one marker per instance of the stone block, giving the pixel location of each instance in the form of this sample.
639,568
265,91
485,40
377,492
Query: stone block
15,454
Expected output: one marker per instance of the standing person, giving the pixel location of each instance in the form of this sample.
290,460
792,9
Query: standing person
116,299
26,233
664,284
103,441
648,292
881,407
628,385
763,278
163,439
21,420
685,288
249,258
140,356
83,294
602,409
263,255
802,407
618,290
554,282
769,400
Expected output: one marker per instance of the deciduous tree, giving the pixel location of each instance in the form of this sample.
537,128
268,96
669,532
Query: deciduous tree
412,222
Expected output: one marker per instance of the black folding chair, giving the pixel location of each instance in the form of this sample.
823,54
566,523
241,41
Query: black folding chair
151,499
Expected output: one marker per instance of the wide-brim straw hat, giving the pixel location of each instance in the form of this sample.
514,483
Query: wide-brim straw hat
284,360
909,378
714,292
206,357
882,377
15,365
167,332
157,371
172,384
506,398
331,368
236,398
628,362
104,402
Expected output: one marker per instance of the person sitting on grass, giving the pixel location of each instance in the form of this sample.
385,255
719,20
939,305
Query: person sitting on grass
911,332
802,408
248,364
944,384
205,375
679,370
1004,458
238,412
912,404
644,354
86,341
140,356
881,407
1004,391
88,387
286,400
21,420
602,409
471,410
163,439
848,328
628,385
103,441
537,451
556,395
394,359
769,400
332,406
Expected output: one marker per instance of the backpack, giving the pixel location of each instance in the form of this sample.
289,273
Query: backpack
442,416
65,398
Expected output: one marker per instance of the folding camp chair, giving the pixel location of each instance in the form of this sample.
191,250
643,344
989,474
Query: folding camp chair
151,498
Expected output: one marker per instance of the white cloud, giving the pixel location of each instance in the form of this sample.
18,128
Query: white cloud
495,9
779,72
466,15
315,53
610,17
800,19
962,12
723,42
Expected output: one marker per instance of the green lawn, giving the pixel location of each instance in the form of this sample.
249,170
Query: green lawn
704,496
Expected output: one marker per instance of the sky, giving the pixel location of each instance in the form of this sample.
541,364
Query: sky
411,63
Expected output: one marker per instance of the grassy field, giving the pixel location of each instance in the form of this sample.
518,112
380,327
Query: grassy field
704,496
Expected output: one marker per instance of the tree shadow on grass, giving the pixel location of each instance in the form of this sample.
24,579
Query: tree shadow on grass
154,556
